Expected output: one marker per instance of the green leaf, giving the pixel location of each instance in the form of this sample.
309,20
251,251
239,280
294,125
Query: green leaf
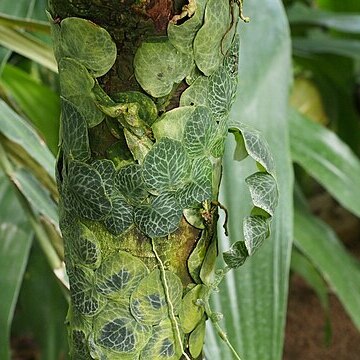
76,85
84,298
42,301
321,246
256,230
84,192
196,339
159,66
28,46
198,132
236,255
160,218
147,109
16,238
301,14
208,42
74,132
166,166
221,92
191,313
199,188
264,191
129,182
88,43
255,145
37,196
119,275
118,335
197,256
255,294
22,9
20,132
196,93
163,345
182,35
82,246
172,123
106,169
324,44
148,303
38,102
121,216
27,24
329,160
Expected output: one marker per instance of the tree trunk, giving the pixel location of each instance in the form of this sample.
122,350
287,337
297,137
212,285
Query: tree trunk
146,89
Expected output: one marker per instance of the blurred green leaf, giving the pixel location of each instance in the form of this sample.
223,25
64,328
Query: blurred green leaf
39,103
324,44
320,244
28,46
20,132
301,14
326,158
30,25
23,9
37,196
15,241
42,309
253,298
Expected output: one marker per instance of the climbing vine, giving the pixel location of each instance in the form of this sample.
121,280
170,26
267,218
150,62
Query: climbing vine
124,200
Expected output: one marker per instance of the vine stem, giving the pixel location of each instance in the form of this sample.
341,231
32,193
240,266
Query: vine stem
168,300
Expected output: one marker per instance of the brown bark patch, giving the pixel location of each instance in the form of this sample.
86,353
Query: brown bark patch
160,11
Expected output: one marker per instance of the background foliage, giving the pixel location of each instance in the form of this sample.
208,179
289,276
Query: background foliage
299,85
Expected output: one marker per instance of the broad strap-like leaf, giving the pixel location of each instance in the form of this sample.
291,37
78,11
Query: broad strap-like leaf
20,132
326,158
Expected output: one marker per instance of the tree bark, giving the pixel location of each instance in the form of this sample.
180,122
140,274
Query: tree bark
145,101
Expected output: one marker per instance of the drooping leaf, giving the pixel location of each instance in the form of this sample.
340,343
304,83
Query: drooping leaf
196,339
256,230
264,191
236,255
159,66
255,145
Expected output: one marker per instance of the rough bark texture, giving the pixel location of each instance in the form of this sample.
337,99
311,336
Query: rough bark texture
140,291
